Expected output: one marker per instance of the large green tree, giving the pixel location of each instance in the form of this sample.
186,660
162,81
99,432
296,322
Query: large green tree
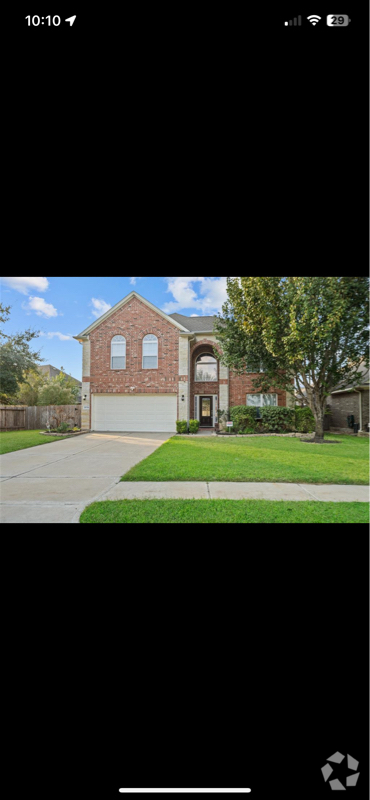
16,357
311,334
59,391
29,391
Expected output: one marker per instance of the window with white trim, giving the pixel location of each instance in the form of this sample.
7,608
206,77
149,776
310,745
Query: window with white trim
262,400
118,352
255,367
150,352
206,368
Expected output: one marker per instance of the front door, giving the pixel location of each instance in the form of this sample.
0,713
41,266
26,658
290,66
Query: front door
206,412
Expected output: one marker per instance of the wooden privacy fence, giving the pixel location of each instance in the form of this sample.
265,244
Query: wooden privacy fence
32,418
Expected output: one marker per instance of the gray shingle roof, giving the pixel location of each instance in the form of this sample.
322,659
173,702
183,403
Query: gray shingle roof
363,381
195,324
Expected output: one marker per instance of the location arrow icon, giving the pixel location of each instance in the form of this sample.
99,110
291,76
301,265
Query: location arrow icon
71,20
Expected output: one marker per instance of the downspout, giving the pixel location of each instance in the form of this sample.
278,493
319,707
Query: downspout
360,406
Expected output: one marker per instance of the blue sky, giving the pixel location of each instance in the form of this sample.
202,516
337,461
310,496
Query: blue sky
61,308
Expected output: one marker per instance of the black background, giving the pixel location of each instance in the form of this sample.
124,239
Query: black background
183,129
160,131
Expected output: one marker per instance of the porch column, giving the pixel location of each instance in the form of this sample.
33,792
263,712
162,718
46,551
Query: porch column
224,398
86,404
183,390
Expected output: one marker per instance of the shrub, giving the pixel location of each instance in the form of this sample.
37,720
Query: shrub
63,427
243,417
278,419
182,426
305,420
194,425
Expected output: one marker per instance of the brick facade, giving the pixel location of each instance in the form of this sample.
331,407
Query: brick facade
176,362
365,411
346,403
134,321
241,385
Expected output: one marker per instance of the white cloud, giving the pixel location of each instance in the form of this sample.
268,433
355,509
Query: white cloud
40,307
62,336
207,295
133,281
100,307
25,285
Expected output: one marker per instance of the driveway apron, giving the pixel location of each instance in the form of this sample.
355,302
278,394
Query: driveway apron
55,482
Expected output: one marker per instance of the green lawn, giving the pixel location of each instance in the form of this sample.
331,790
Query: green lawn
21,440
221,511
267,458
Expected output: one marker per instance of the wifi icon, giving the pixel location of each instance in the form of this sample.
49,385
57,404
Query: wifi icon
314,19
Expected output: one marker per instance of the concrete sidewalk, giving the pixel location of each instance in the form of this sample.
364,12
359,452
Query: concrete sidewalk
238,491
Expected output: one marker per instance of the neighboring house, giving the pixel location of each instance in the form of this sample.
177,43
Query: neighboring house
349,401
53,372
144,369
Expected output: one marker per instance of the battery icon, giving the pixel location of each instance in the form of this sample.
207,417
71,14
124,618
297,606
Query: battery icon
338,20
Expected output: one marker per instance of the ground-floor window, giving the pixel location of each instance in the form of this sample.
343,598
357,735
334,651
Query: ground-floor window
262,400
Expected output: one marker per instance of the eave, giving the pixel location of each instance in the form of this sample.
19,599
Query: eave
85,334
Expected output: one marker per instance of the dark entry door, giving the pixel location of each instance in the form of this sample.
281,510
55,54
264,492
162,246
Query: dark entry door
206,412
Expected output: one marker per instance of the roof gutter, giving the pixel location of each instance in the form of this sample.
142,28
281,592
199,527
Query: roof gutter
351,389
196,333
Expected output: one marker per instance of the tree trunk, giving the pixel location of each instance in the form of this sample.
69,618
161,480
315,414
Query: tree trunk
318,409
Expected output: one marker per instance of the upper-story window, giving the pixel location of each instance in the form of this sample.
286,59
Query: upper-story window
150,352
255,366
206,368
118,352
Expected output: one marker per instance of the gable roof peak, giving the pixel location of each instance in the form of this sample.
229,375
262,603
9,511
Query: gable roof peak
133,294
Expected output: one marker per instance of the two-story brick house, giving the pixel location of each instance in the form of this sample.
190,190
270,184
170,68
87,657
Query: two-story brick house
144,369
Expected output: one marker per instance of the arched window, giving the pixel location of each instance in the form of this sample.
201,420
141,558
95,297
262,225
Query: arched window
206,368
118,352
150,352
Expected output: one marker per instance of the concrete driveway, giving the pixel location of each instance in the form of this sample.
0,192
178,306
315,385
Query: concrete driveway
55,482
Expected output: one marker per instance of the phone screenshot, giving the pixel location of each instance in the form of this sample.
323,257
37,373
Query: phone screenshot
163,133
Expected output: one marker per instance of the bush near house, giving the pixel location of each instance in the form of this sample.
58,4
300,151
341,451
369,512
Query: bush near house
304,420
194,425
181,426
278,420
272,420
244,419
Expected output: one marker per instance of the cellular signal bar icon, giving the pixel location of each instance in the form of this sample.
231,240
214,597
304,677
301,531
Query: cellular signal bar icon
294,21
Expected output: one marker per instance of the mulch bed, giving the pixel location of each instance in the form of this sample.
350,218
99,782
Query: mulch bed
312,441
66,435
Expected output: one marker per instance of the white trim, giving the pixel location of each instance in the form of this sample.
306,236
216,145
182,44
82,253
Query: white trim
215,410
111,352
144,356
200,355
122,303
197,398
260,395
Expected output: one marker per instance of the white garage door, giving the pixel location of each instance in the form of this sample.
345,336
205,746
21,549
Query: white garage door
149,412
